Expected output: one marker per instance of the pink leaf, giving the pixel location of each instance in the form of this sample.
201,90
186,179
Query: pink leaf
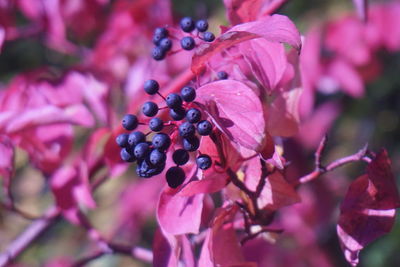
239,11
362,8
6,162
211,183
276,28
236,110
368,210
179,214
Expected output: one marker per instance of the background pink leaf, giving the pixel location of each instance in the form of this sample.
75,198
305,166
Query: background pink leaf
236,110
239,11
361,8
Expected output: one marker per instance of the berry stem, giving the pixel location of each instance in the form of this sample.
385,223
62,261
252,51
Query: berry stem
158,93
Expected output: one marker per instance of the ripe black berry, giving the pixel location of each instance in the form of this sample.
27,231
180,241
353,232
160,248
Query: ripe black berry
202,25
204,127
177,114
203,161
141,150
145,169
165,44
222,75
122,140
187,24
156,124
161,141
193,115
136,138
174,101
191,143
159,34
188,93
127,155
150,109
180,157
157,158
175,176
157,53
129,122
186,129
187,43
151,87
208,37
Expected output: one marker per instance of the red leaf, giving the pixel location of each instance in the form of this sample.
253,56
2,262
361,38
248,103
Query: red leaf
179,214
368,210
236,110
276,28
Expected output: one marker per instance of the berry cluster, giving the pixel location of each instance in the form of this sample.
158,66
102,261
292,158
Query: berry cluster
163,43
186,125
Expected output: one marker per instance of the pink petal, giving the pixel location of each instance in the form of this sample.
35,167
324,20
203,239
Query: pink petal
347,76
236,110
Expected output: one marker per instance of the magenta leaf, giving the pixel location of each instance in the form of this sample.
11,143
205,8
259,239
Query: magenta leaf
210,183
179,214
368,210
239,11
276,28
236,110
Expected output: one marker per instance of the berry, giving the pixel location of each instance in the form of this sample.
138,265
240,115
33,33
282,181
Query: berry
150,109
136,138
141,150
157,158
204,127
222,75
203,161
187,24
159,34
122,140
175,176
193,115
186,129
188,93
151,87
180,157
161,141
156,124
187,43
165,44
129,122
157,53
126,155
145,169
208,36
202,25
174,101
177,114
191,143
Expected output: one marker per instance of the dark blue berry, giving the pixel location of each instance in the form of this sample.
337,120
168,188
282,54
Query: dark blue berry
136,138
161,141
150,109
159,34
130,122
151,87
202,25
127,155
191,143
180,157
141,150
204,162
177,114
187,43
208,36
157,53
175,176
122,140
193,115
186,129
157,157
222,75
187,24
145,169
188,93
165,44
174,101
204,127
156,124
